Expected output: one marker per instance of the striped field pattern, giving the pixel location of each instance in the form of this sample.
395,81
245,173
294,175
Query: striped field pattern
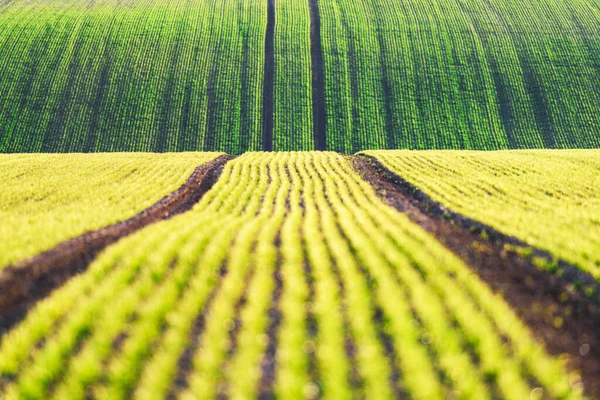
185,75
292,103
290,278
549,199
142,75
461,74
46,199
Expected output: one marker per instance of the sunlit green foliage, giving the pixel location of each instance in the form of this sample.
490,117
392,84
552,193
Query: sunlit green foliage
290,256
549,199
156,75
461,74
46,199
292,102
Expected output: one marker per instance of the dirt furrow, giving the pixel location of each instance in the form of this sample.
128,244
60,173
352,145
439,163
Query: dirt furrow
268,363
318,78
269,78
25,283
560,316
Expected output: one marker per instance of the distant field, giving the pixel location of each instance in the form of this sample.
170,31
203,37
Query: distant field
143,75
461,74
246,75
289,278
549,199
46,199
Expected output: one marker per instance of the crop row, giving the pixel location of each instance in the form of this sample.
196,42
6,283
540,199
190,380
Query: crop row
46,199
141,76
460,74
548,199
290,277
292,101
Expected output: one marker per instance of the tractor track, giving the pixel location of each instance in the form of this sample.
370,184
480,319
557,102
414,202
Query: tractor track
269,78
318,78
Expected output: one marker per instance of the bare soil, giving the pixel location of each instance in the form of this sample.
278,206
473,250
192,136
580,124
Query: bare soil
318,78
25,283
266,386
562,318
269,78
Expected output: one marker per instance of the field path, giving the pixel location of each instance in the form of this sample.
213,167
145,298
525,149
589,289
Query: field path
269,78
318,77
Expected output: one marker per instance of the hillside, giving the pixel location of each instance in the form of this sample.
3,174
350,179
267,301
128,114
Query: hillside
244,75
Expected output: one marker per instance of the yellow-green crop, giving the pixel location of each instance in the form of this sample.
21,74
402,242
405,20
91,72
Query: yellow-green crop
549,199
290,259
46,199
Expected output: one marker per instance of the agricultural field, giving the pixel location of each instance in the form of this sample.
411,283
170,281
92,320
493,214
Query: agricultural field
289,278
145,75
548,199
300,199
346,76
47,198
461,74
292,102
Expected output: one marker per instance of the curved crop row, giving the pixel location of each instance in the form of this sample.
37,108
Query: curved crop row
289,278
47,199
548,199
147,75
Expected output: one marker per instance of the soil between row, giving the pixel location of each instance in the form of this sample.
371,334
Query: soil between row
561,317
26,282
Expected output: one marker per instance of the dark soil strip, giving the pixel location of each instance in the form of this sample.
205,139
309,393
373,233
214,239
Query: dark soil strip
312,328
318,78
269,362
564,319
185,364
269,78
23,284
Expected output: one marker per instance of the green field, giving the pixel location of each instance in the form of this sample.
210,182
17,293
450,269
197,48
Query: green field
46,199
461,74
291,258
549,199
152,75
138,76
300,199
